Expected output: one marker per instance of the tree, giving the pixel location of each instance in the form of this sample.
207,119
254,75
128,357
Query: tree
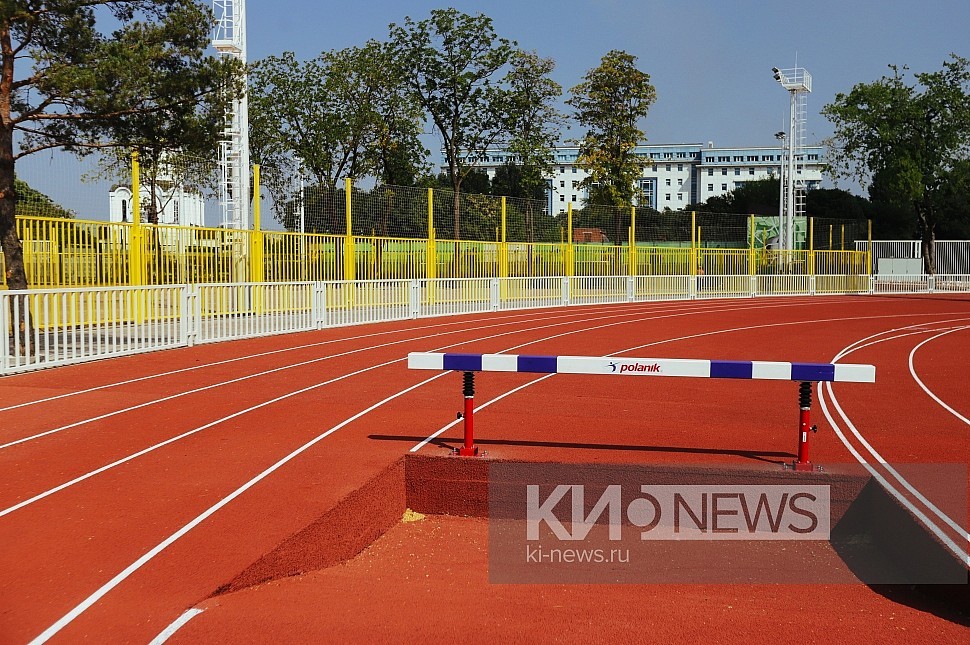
344,114
33,203
533,122
66,83
610,102
452,62
913,138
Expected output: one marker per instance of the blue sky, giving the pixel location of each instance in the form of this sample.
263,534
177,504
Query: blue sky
710,61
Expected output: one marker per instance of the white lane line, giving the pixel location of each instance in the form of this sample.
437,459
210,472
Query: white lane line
962,532
176,625
243,378
508,320
189,433
238,413
86,604
930,524
274,352
438,433
680,311
443,429
912,371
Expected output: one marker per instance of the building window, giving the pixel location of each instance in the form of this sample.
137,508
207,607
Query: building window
710,188
668,167
737,171
723,186
710,172
562,198
562,184
724,171
667,197
680,197
574,198
562,169
751,171
575,183
668,181
680,167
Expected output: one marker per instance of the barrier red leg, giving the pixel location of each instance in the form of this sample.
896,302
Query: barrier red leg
804,426
469,449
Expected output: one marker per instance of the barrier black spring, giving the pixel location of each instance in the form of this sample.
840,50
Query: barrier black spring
805,395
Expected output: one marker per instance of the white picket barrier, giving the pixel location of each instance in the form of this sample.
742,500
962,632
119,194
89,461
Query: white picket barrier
64,326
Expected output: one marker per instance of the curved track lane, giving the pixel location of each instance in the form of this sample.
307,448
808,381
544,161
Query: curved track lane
116,520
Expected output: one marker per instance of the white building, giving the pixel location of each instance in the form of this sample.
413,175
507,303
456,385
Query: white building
675,175
176,206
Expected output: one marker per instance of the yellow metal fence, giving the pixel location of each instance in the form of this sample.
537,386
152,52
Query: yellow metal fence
79,253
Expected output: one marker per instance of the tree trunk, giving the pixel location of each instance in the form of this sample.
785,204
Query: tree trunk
13,251
927,233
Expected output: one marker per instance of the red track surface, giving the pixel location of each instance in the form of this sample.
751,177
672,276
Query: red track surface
114,522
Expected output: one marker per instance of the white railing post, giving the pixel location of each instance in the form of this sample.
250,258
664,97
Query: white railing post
494,294
811,285
7,330
319,305
630,288
931,284
872,284
414,299
691,287
564,292
753,286
191,314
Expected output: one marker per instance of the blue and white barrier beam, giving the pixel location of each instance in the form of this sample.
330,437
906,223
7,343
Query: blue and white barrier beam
625,366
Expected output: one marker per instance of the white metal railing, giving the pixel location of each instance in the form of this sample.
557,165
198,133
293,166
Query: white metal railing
49,327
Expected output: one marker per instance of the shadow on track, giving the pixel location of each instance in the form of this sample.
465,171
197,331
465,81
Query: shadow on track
762,456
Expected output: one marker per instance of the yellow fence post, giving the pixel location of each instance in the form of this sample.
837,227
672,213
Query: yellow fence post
752,268
503,256
136,269
256,269
570,243
349,253
811,246
693,243
633,241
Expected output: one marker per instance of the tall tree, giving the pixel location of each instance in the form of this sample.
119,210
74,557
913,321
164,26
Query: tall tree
67,82
912,137
453,63
533,126
610,102
344,114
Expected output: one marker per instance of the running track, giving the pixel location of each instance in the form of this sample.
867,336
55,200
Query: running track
133,488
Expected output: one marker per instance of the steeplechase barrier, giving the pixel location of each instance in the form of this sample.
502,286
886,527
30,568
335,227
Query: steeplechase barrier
804,373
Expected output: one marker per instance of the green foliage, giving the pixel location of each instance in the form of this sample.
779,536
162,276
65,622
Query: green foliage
33,203
909,141
610,102
90,74
344,114
532,123
451,62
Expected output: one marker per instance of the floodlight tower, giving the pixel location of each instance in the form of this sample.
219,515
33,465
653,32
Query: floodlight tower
229,39
798,82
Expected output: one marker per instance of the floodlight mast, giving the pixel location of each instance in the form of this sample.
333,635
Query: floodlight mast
229,39
798,82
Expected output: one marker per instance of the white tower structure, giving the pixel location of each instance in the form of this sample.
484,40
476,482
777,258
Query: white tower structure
229,39
798,82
